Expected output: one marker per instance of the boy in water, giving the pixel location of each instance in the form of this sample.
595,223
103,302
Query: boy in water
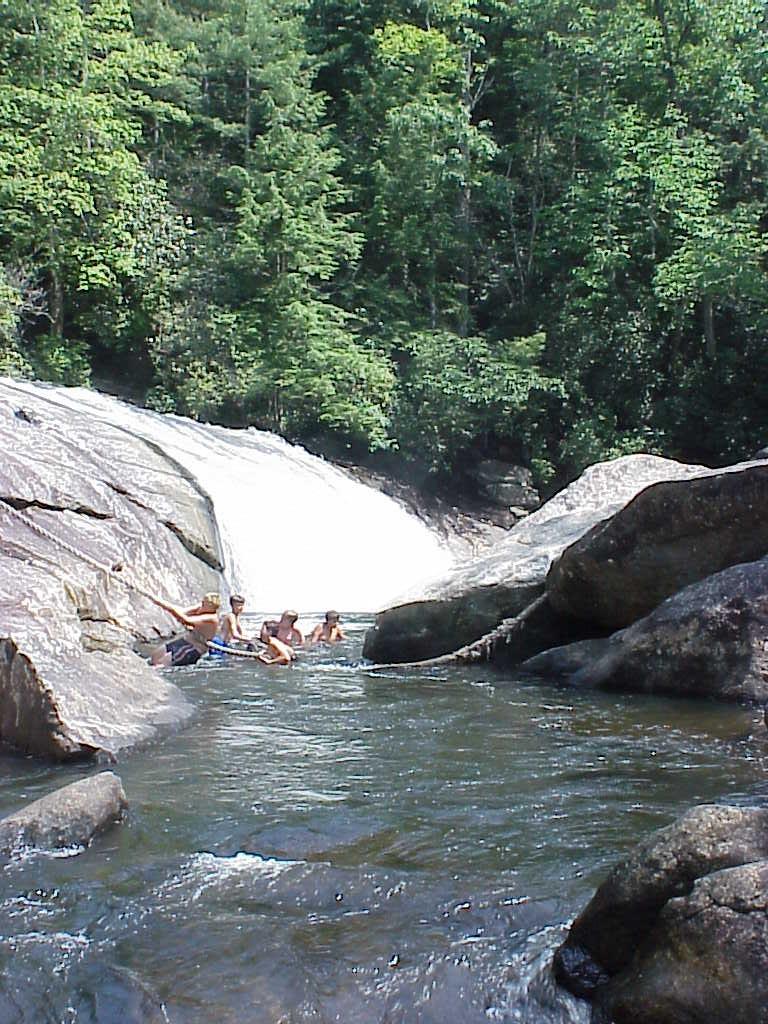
202,621
278,654
328,632
230,631
285,630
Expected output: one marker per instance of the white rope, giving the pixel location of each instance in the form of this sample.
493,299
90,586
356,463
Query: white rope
76,553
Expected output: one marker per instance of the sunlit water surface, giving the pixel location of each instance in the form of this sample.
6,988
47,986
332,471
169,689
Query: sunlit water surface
324,843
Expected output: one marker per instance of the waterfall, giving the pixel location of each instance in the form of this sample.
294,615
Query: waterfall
296,531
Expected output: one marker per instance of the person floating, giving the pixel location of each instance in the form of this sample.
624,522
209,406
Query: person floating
277,653
202,623
328,632
283,630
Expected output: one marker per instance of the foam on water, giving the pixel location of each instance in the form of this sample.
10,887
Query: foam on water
204,871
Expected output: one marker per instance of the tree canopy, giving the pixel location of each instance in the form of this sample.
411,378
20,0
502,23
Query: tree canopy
442,228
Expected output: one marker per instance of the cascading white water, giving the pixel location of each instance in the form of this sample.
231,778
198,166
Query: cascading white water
296,531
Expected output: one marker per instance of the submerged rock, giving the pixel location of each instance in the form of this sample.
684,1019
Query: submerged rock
70,816
671,534
469,603
77,498
677,933
709,640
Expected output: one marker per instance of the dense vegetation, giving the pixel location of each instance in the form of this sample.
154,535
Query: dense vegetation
445,228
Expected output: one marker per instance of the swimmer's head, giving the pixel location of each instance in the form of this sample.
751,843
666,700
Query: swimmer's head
236,600
211,601
331,617
289,617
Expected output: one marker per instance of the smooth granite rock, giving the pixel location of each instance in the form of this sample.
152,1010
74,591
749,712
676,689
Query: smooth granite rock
449,613
709,640
75,491
678,926
68,817
706,959
671,534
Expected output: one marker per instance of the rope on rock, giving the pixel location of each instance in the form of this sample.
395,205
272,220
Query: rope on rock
113,571
108,570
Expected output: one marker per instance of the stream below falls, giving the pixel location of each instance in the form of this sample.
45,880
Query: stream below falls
324,843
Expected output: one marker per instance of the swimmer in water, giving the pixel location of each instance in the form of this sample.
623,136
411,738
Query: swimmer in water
202,621
278,653
230,631
328,632
285,630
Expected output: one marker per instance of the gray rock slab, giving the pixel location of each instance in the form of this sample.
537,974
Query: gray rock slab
68,817
480,592
709,640
78,497
671,534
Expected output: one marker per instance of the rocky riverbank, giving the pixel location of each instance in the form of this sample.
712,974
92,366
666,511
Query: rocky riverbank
670,552
678,932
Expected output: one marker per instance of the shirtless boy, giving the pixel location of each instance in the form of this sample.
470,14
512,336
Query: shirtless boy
328,632
229,628
202,622
285,630
278,653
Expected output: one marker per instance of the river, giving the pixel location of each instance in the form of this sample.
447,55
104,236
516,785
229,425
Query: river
325,843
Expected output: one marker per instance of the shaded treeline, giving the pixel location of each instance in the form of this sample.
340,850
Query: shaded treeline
448,228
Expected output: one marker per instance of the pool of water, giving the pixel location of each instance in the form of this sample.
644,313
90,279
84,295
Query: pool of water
327,843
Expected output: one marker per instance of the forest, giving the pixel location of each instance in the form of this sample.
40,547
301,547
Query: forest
437,230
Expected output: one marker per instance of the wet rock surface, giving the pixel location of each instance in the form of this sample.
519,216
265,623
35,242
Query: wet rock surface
68,817
708,640
77,498
677,934
481,592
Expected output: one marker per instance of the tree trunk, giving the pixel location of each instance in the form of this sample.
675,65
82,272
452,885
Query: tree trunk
56,295
709,327
247,124
465,202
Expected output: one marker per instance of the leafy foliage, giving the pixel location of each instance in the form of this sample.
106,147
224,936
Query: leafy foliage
446,227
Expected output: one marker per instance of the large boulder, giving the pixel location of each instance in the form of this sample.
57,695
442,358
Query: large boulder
671,534
709,640
68,817
677,932
479,593
92,518
706,960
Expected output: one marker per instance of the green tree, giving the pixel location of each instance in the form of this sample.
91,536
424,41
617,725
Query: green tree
77,205
274,347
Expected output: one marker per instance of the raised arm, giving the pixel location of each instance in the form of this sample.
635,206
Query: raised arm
187,619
